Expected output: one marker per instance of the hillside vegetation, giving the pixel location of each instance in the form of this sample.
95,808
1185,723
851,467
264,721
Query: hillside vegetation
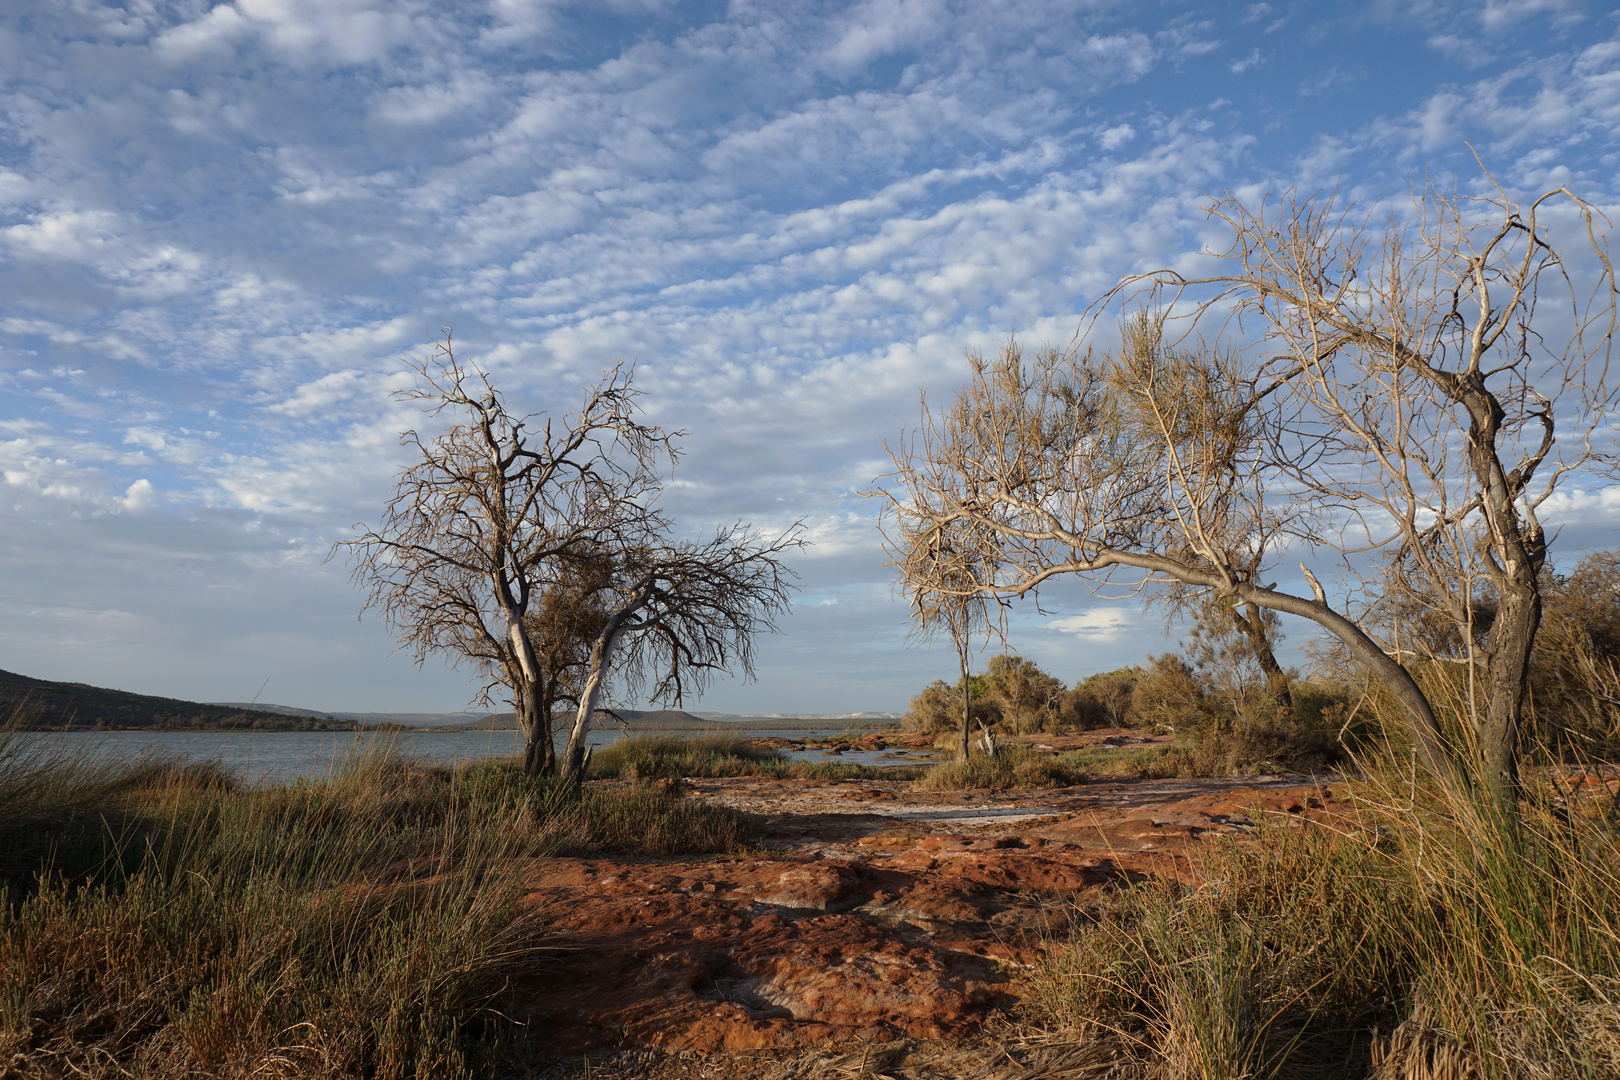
59,706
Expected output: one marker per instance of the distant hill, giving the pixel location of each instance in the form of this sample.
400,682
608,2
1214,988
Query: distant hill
61,706
850,719
676,720
369,719
636,719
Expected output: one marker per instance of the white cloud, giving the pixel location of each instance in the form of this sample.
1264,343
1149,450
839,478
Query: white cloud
1115,137
874,28
140,495
1098,624
1501,15
232,227
1238,67
301,31
321,394
71,234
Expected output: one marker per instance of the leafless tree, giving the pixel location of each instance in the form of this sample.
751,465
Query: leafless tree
677,613
1401,395
491,549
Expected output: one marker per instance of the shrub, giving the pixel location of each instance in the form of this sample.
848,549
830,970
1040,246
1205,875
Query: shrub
939,708
1013,766
1101,700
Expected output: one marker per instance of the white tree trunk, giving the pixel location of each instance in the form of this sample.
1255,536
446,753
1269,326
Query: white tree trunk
601,654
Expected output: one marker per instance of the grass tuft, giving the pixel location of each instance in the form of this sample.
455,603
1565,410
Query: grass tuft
1427,936
1014,766
367,924
724,754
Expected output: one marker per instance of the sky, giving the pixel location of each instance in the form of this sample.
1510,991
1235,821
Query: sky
223,228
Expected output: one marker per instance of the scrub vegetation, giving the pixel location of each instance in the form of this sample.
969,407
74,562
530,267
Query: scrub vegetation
1230,717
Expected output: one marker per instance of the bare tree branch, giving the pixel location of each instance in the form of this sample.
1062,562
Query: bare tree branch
1405,395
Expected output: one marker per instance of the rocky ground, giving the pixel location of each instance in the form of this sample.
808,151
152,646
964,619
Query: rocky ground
873,916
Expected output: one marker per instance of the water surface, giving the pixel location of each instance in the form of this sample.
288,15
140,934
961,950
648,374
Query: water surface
257,756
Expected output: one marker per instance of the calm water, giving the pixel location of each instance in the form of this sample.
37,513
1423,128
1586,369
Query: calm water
287,755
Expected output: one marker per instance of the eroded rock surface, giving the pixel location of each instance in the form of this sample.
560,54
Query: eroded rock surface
874,911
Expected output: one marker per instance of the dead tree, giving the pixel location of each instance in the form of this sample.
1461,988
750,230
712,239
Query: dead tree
1402,395
678,613
487,550
1429,403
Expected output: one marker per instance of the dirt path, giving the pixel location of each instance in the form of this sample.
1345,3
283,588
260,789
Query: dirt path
874,913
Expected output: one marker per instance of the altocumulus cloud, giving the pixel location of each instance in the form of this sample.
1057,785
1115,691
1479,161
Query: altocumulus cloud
221,226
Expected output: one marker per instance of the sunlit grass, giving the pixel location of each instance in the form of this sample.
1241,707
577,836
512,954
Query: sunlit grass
1013,766
1425,934
724,754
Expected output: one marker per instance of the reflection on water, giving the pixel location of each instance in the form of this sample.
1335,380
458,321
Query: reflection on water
287,755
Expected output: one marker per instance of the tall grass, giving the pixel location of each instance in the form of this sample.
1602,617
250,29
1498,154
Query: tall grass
1429,937
365,924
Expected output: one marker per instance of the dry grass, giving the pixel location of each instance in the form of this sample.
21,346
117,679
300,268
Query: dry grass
362,925
1012,767
1430,939
657,757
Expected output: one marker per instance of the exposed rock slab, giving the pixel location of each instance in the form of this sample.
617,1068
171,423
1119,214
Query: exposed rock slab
876,912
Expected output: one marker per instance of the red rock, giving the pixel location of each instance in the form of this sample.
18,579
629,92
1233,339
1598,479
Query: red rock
860,925
823,887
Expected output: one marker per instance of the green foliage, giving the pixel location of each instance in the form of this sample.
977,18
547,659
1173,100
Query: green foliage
1026,697
1169,696
1221,728
939,707
1098,701
1013,694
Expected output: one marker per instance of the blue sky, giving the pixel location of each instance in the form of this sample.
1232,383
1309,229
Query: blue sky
222,227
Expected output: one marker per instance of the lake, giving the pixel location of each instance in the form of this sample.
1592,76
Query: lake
287,755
